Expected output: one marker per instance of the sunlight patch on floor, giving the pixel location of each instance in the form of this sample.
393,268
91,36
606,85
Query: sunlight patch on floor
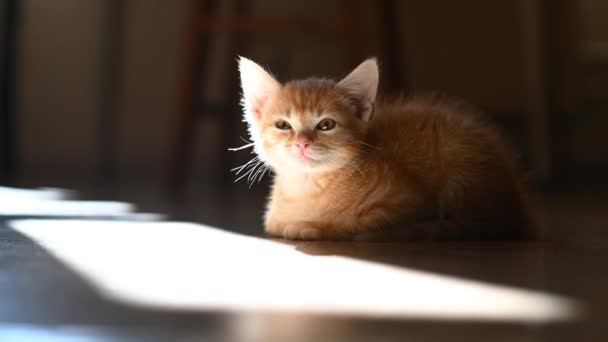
12,194
36,207
51,202
197,267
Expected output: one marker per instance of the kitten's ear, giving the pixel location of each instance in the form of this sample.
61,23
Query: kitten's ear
258,86
362,85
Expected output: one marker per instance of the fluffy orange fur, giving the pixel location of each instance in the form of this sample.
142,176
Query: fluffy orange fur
348,167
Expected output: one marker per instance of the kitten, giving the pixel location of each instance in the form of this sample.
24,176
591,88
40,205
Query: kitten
347,167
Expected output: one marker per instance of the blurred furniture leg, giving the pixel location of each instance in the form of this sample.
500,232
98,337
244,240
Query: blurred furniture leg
549,46
392,47
202,23
8,51
562,82
180,159
533,40
110,90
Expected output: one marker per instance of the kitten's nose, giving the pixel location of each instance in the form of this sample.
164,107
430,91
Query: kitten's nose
302,143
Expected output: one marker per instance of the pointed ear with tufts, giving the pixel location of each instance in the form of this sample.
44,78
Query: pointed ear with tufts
362,85
257,85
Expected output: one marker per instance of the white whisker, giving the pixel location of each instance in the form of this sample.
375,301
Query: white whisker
266,168
247,145
240,168
241,147
354,165
260,169
245,174
366,144
255,171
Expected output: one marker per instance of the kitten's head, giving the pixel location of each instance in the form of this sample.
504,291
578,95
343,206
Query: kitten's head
313,125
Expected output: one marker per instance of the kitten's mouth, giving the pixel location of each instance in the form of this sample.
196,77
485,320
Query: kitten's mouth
303,157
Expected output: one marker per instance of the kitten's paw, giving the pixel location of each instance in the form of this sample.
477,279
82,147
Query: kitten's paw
301,232
274,230
294,231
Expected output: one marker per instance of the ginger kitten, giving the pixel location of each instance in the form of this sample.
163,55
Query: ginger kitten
348,167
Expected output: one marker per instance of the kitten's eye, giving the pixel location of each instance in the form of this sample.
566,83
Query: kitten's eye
326,124
282,124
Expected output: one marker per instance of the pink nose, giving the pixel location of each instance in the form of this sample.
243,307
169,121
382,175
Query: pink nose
302,143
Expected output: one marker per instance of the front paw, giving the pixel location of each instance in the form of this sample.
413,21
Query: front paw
299,231
294,231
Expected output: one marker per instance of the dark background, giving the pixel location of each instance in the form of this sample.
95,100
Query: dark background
137,101
109,92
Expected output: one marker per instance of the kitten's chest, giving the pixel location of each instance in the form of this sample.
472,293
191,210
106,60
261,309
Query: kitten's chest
308,200
298,188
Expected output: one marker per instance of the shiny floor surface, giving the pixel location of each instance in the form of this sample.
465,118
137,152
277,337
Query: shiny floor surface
51,291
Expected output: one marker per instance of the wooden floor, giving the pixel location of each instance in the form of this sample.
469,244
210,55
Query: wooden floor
44,299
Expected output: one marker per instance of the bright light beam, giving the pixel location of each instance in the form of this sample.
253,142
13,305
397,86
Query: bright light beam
191,266
51,202
12,194
38,207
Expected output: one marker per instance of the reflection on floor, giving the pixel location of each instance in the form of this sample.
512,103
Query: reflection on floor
127,277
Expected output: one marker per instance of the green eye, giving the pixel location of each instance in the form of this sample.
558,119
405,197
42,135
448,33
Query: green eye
282,124
326,124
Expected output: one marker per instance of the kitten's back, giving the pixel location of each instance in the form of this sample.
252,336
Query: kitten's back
467,171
